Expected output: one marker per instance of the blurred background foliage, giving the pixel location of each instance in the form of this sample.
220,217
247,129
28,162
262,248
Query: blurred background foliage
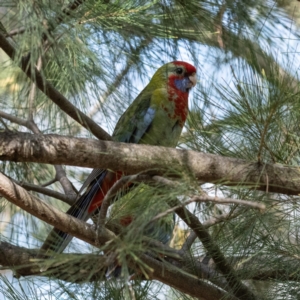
100,54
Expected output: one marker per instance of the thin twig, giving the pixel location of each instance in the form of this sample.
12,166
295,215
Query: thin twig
218,22
61,176
4,124
49,182
218,200
267,185
131,290
205,198
165,181
189,242
15,32
32,91
208,223
13,119
26,123
107,200
221,218
69,199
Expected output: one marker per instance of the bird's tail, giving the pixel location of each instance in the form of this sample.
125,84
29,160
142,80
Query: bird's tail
58,240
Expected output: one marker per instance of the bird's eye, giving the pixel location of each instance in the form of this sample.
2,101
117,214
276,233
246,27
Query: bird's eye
179,71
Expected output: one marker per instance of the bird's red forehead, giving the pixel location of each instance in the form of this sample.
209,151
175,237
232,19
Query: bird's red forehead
189,68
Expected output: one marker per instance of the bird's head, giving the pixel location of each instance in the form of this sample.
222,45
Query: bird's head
179,75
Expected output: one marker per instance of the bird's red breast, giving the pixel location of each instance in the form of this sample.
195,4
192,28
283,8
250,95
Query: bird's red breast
179,96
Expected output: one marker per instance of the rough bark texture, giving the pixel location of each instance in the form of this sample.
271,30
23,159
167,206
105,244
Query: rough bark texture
20,197
45,212
55,149
69,267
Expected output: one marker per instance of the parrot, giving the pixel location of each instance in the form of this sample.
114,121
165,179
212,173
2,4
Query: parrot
155,117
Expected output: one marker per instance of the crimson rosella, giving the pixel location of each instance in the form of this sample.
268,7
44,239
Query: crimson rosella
155,117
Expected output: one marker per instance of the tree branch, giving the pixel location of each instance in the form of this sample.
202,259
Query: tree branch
216,200
213,250
182,281
86,232
45,212
76,268
31,125
73,268
117,186
70,199
53,94
132,158
206,224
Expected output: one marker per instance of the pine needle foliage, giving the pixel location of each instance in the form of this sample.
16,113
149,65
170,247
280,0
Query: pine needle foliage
99,55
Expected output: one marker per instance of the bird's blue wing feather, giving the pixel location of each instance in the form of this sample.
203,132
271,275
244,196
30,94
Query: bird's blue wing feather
142,125
135,121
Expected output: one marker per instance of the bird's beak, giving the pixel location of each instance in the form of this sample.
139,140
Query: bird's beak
193,79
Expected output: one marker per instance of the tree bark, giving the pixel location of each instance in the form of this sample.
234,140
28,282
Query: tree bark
132,159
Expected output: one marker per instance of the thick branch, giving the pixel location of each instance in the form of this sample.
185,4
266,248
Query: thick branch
45,212
86,232
69,267
182,281
76,268
24,261
31,125
54,149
